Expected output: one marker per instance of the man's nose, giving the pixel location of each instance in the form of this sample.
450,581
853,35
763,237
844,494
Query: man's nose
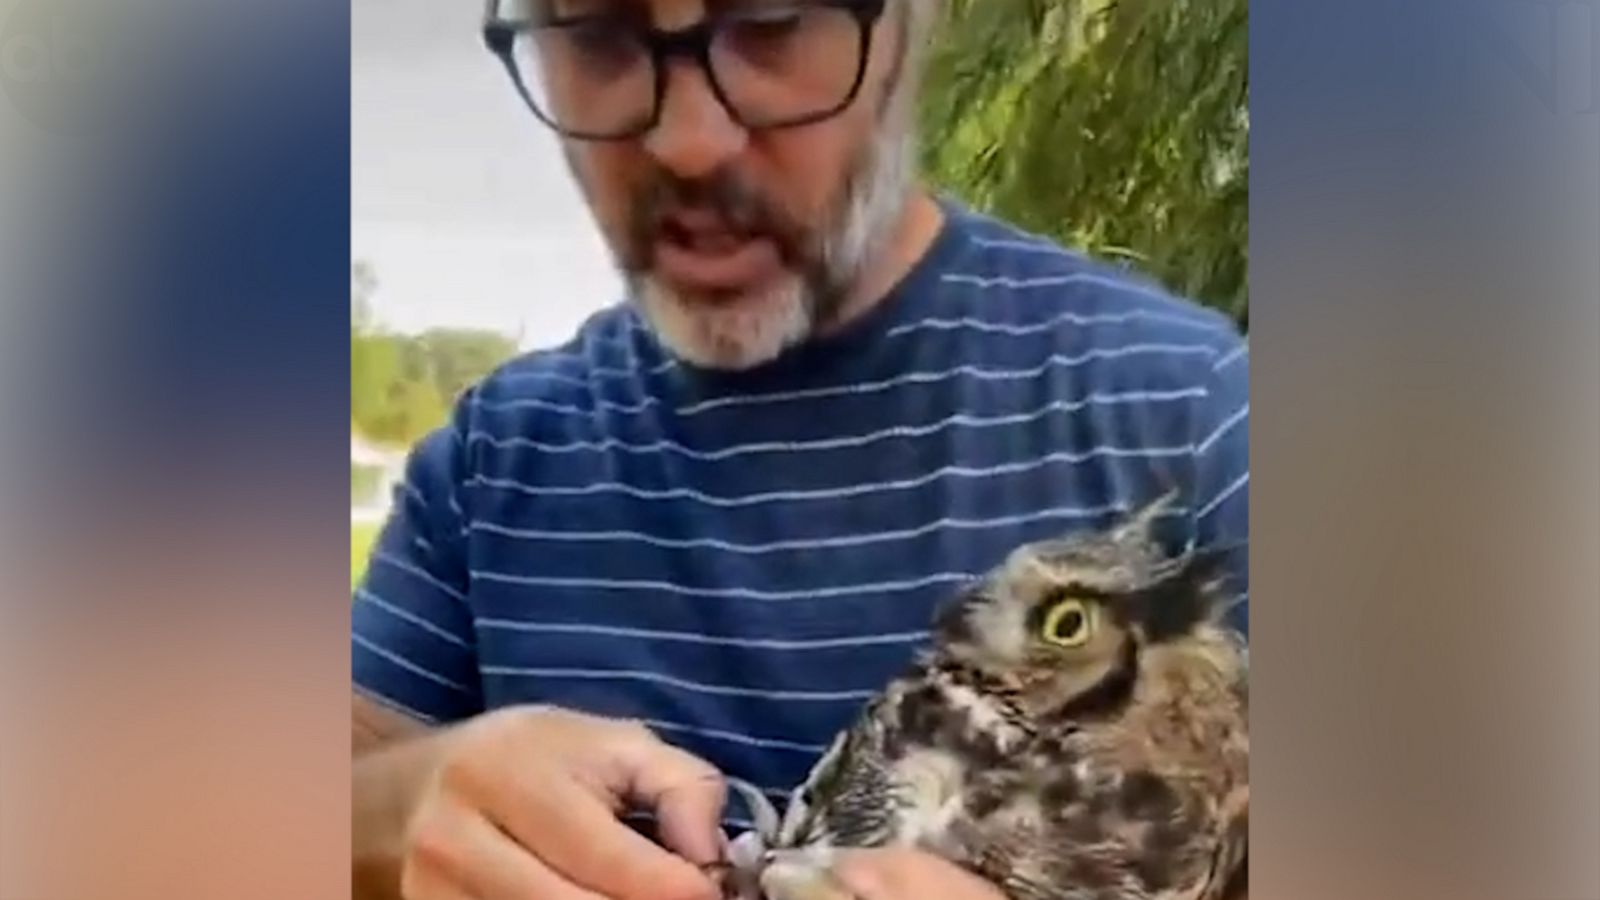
696,135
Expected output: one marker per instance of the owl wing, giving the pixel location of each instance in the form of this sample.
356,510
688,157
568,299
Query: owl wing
1137,832
1230,869
848,798
1065,831
1232,875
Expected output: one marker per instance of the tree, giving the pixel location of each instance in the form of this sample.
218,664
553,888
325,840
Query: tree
374,362
403,386
408,404
363,284
1119,127
460,357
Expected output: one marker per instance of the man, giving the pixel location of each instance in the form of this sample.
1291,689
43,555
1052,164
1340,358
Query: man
693,539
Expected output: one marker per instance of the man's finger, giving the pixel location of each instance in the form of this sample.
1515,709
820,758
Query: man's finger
485,864
687,795
431,886
900,874
576,833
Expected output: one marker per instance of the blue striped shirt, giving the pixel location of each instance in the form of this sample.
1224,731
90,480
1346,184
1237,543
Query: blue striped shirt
740,559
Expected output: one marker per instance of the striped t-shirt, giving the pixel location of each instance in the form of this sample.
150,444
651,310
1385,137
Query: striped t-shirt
741,559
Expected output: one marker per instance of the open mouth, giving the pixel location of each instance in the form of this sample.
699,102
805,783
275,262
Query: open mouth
703,254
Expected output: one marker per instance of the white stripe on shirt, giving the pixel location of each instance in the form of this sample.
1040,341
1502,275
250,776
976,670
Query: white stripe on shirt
680,683
908,637
801,544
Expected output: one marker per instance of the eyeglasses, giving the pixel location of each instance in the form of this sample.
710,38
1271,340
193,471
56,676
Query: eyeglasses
602,75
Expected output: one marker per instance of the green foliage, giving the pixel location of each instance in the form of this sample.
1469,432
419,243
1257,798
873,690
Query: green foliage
374,363
374,366
458,358
403,386
1119,127
363,535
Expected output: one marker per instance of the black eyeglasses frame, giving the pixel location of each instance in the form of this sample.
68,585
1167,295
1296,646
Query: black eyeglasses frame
692,42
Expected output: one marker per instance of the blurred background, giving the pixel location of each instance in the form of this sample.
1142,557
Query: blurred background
1119,128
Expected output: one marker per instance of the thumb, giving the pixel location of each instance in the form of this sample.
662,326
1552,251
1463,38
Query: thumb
903,874
690,816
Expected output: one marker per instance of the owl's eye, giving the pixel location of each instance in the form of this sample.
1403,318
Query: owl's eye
1070,623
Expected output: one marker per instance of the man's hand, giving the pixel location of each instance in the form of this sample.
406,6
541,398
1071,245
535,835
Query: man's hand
522,803
909,875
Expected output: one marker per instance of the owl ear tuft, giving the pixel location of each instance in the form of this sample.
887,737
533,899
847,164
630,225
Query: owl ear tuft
1139,525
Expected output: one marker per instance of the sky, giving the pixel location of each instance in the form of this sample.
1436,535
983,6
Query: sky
460,199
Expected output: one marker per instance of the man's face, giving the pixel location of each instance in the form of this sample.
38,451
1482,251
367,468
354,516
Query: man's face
741,242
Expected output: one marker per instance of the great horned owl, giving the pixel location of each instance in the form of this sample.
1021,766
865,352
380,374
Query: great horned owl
1077,730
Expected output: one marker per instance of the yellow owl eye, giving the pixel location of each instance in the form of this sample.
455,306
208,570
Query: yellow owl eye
1070,623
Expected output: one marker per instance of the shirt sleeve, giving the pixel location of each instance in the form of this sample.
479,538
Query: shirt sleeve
413,646
1222,473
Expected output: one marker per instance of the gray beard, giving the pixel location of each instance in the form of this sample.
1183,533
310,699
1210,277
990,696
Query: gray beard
874,203
812,298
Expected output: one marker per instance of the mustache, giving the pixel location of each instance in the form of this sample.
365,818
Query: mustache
741,208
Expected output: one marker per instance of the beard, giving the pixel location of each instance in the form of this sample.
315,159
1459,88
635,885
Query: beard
820,263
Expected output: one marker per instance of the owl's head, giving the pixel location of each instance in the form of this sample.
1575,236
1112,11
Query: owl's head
1060,617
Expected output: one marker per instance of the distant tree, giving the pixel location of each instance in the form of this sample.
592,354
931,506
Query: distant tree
374,358
363,284
408,404
461,357
1119,127
403,386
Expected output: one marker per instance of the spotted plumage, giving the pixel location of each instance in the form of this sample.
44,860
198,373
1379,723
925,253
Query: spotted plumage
1077,730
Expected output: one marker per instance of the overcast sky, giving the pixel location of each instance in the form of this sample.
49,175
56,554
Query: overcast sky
460,199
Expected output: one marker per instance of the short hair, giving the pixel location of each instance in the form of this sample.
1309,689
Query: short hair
922,17
916,25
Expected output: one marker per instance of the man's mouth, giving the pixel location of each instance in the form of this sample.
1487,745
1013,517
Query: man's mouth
700,253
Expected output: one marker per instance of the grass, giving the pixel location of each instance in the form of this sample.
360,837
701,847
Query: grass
362,535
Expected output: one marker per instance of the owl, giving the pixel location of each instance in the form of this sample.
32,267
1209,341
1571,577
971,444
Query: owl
1076,729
